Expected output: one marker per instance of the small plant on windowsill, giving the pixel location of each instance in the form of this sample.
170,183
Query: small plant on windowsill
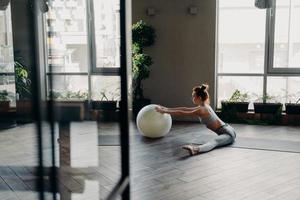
70,106
106,108
69,96
108,100
267,104
238,102
5,99
293,108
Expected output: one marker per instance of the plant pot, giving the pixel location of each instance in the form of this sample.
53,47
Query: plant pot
4,106
138,104
67,111
292,108
24,110
270,108
104,105
241,107
107,110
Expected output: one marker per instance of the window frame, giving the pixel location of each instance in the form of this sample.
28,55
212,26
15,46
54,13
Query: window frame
269,70
270,31
109,71
92,69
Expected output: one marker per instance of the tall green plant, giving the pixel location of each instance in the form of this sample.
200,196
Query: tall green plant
143,36
23,82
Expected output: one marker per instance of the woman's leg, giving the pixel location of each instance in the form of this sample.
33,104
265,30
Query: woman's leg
219,141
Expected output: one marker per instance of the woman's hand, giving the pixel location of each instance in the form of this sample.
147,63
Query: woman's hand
160,109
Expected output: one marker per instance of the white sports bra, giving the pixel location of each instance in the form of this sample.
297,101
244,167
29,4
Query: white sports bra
211,118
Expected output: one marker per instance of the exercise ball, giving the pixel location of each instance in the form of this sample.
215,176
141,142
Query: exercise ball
153,124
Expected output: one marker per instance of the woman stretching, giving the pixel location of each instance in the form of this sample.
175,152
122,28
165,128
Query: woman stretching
200,96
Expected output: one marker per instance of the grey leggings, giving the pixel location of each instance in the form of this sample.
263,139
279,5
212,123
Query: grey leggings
226,136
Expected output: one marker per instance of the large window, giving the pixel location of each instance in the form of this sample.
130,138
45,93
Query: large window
241,49
286,35
256,50
83,46
7,75
107,33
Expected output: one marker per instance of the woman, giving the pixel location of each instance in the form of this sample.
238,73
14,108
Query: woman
200,97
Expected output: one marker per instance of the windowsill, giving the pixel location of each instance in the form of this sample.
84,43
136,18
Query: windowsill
261,118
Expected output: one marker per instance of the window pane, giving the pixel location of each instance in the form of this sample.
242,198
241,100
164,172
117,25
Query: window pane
107,32
70,87
240,48
284,89
67,36
108,85
7,83
287,34
228,84
6,46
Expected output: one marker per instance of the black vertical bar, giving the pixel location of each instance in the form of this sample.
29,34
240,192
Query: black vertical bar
36,97
51,118
124,135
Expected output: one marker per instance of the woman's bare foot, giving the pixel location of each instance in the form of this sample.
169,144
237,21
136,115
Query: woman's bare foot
193,149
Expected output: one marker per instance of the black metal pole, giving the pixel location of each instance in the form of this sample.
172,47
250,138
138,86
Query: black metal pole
51,119
124,135
36,97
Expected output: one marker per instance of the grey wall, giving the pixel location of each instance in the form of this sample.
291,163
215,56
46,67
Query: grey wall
22,30
24,33
184,52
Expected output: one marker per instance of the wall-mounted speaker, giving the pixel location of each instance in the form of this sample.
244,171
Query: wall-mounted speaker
151,11
263,4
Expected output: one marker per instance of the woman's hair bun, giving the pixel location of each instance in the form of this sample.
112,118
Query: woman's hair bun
204,87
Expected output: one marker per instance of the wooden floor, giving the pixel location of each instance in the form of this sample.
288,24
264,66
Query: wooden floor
159,168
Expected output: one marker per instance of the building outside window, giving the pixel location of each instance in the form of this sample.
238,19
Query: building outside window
7,75
81,55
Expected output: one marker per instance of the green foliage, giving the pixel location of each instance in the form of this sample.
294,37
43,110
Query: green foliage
143,35
291,97
136,49
114,95
238,96
69,95
266,98
23,82
6,96
141,63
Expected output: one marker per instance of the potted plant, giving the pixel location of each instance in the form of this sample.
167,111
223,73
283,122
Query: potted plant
293,108
23,90
267,104
70,106
106,109
143,36
105,103
5,99
23,82
238,102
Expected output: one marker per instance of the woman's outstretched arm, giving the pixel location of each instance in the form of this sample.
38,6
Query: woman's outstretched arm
180,108
179,112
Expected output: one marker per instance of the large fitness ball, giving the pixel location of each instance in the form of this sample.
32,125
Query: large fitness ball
153,124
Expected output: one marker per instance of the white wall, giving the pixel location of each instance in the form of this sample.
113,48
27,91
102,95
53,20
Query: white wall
184,52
